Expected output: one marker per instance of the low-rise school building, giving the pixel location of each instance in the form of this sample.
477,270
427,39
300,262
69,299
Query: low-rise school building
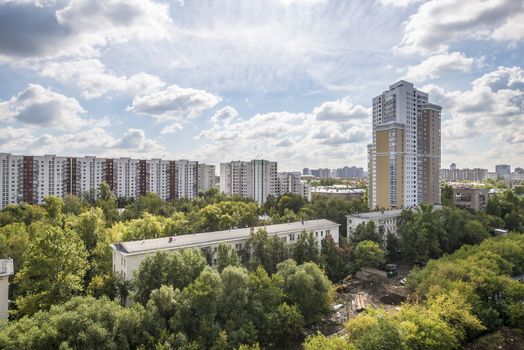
127,256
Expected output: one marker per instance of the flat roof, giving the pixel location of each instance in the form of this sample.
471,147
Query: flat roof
207,238
385,214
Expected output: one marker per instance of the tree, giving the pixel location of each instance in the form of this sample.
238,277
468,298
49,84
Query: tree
53,271
74,204
198,310
23,212
306,248
178,269
307,287
80,323
232,312
106,200
336,260
14,242
374,330
226,256
366,232
321,342
54,206
147,227
446,196
268,252
368,253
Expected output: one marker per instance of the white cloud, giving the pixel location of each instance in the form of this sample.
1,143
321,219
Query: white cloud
398,3
171,129
332,133
77,27
493,106
433,66
42,107
437,23
341,111
511,30
92,77
88,141
174,103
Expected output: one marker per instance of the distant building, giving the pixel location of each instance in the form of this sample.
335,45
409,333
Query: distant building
470,197
503,171
338,191
206,177
386,222
453,174
306,171
290,182
519,170
6,270
32,178
256,179
127,256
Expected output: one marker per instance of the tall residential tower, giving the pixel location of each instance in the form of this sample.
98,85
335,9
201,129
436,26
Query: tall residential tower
405,153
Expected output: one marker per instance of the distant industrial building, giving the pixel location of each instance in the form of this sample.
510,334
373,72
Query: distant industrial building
6,270
127,256
338,191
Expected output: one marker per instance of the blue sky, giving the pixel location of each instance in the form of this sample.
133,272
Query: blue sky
285,80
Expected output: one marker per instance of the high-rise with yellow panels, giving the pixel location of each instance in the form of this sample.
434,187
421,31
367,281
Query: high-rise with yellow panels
404,158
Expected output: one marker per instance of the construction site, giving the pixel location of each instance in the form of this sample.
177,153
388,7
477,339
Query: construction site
370,287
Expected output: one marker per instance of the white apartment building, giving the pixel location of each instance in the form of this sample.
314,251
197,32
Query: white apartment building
157,178
405,153
10,179
127,256
186,179
87,174
206,177
6,270
386,222
264,180
31,178
290,182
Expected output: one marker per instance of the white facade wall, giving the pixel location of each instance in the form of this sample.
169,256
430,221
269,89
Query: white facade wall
6,270
10,179
186,178
290,182
206,177
158,177
90,173
49,176
126,264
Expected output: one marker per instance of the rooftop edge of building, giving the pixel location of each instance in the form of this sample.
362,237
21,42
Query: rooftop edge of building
195,240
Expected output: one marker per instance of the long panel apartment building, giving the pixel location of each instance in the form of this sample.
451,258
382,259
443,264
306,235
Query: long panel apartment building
127,256
31,178
405,153
258,179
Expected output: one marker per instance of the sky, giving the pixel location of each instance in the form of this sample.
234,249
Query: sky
285,80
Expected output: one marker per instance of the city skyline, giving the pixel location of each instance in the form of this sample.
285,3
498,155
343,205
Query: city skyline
206,81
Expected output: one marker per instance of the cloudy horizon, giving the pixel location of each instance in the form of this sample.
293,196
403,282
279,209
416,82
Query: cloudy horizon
285,80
